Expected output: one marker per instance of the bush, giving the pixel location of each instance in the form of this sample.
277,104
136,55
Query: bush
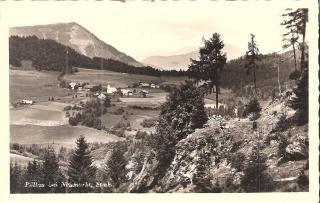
73,121
67,108
295,75
252,108
283,124
237,161
119,111
148,123
141,134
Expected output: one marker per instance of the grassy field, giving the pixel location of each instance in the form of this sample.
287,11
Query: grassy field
65,135
34,85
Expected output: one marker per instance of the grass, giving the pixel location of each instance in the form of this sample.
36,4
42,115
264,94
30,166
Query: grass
64,135
34,85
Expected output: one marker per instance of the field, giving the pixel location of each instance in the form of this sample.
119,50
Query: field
34,85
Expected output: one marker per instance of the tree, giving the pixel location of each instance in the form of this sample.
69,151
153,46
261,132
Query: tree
296,22
252,56
255,177
15,178
115,167
183,111
300,101
210,64
291,37
80,169
51,173
33,174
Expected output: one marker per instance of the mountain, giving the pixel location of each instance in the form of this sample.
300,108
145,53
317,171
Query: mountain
77,37
181,61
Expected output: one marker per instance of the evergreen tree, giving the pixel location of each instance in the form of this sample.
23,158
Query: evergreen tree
291,37
33,174
300,102
252,57
15,178
81,170
210,64
51,173
115,167
255,177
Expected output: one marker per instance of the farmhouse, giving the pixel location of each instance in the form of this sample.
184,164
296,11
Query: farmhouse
127,92
142,84
143,93
111,90
25,101
102,96
73,85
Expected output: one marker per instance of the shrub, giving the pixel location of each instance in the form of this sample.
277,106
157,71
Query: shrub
252,108
283,124
255,178
141,134
119,111
237,161
73,121
295,75
67,108
148,123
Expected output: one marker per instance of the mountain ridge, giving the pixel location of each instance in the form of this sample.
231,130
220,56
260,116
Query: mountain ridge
77,37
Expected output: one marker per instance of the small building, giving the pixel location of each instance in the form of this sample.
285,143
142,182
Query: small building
102,96
153,85
127,92
143,93
111,90
29,102
73,85
143,84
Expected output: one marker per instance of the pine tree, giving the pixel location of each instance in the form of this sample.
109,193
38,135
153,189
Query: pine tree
252,57
33,174
51,173
15,178
255,177
300,101
115,167
210,64
81,170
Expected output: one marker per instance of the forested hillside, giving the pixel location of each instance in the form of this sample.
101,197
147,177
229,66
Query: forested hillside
47,54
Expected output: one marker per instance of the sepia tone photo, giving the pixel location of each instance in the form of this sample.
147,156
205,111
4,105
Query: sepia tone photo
158,100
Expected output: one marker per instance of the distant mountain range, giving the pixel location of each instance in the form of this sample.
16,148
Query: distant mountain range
181,61
77,37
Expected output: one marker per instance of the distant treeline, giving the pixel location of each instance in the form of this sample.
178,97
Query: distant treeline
47,54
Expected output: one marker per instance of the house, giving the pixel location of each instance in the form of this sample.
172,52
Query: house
153,85
127,92
143,93
142,84
102,96
73,85
111,90
25,101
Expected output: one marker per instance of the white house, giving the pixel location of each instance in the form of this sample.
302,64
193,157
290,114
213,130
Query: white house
153,85
143,84
25,101
127,92
102,96
111,90
72,85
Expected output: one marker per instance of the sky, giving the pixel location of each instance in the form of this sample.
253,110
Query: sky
162,28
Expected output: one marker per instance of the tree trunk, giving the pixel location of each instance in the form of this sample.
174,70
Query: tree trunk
254,80
302,60
294,49
217,94
279,77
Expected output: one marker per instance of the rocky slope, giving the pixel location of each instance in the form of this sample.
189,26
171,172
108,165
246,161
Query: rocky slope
76,37
206,160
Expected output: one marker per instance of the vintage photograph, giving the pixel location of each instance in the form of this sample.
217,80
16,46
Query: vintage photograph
151,98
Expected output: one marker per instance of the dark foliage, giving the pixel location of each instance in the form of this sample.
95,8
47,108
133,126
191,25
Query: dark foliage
253,107
80,169
300,101
47,54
